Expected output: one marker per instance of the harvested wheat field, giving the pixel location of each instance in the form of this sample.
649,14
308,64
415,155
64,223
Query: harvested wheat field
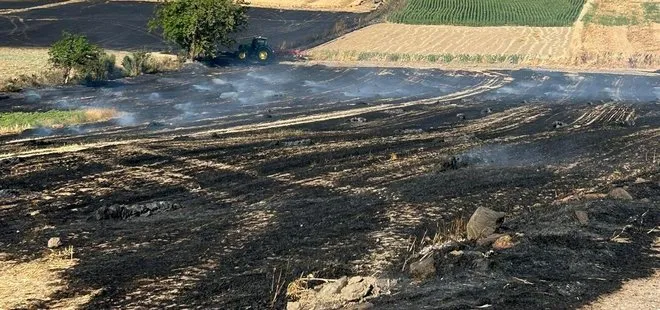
542,42
618,33
17,61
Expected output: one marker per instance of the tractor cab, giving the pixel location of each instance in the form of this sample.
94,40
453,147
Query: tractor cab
258,50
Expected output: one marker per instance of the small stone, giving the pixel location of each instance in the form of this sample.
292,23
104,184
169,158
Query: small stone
34,213
620,193
503,243
456,253
332,288
484,222
640,180
54,242
488,241
558,125
423,269
582,217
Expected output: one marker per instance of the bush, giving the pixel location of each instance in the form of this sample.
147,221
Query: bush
74,52
137,63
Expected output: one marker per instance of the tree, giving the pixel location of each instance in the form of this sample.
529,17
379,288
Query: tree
74,52
198,26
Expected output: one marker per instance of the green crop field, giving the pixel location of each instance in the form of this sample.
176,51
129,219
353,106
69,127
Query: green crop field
543,13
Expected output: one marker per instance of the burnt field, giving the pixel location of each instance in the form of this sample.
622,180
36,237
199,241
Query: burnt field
209,205
123,25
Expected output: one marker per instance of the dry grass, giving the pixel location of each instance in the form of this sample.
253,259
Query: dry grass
29,67
17,61
16,122
27,284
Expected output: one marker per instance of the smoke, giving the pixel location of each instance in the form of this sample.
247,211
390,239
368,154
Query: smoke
126,119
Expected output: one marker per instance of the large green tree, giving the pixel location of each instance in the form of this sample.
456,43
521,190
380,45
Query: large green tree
200,26
74,52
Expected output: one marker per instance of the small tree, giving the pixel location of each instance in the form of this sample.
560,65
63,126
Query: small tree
198,26
74,52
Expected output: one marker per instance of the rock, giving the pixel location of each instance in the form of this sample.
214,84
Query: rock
423,269
128,211
486,111
488,241
359,306
332,288
293,305
582,217
620,193
503,243
640,180
358,120
298,142
460,116
558,125
9,193
54,242
34,213
356,289
484,222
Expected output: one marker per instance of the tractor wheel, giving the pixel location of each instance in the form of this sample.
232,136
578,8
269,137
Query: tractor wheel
242,55
264,55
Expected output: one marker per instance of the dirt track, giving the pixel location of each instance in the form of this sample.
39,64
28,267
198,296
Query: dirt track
323,195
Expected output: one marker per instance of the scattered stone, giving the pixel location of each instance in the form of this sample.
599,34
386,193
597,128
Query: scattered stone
155,125
484,222
620,193
334,287
297,142
359,306
357,288
9,193
489,240
582,217
486,111
503,243
136,210
409,131
640,180
423,269
558,125
456,253
34,213
358,120
54,242
460,116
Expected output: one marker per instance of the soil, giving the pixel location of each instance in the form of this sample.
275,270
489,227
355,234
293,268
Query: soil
123,25
538,42
256,207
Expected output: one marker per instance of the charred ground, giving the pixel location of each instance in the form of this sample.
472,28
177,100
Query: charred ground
328,197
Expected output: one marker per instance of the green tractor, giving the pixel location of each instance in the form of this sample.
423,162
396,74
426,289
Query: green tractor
259,50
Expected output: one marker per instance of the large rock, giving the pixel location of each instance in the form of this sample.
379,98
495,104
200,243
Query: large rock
423,269
620,193
357,288
483,223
